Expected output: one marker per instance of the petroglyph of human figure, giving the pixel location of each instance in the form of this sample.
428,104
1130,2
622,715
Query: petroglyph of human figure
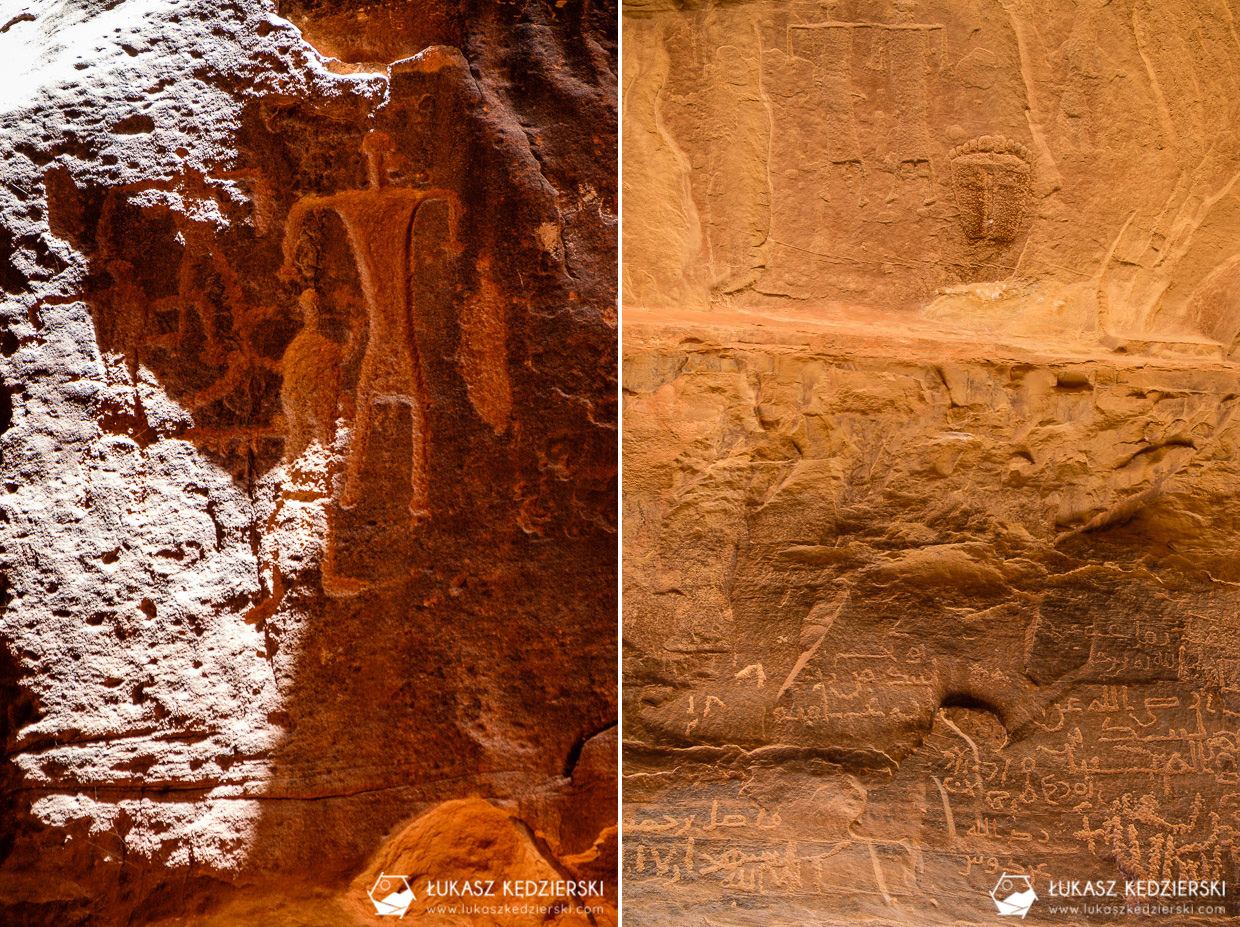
378,222
311,370
991,178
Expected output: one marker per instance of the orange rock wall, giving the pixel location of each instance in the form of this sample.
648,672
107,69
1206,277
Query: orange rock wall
930,456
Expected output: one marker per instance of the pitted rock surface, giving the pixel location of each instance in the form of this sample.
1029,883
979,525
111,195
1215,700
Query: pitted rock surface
308,444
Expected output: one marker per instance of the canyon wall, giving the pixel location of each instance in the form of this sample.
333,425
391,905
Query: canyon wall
308,454
931,458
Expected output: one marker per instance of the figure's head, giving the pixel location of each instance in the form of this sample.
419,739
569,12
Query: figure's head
377,146
905,10
308,304
992,181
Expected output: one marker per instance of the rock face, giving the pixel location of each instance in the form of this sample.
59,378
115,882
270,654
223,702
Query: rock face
308,451
931,454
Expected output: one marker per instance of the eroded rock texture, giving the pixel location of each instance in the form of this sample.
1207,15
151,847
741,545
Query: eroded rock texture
931,457
308,451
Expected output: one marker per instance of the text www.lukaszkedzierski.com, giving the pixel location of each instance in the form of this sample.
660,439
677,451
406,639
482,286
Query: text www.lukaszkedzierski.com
461,909
1133,909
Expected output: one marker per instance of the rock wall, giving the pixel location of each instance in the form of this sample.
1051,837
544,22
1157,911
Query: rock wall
308,451
900,153
930,454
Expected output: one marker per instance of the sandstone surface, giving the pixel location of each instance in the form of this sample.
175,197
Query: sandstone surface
308,452
931,458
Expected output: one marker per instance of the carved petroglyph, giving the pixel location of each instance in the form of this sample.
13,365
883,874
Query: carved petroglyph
847,160
904,53
311,390
998,802
991,180
994,685
835,57
903,56
484,351
170,301
813,631
977,213
852,151
379,222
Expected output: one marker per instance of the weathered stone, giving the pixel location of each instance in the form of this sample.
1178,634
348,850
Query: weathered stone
930,457
308,451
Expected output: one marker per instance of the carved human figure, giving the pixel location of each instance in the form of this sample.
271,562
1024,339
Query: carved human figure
378,222
311,369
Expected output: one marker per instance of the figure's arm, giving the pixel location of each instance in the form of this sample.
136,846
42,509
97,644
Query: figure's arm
454,246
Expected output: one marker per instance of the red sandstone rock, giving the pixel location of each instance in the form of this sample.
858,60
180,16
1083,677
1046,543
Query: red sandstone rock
308,447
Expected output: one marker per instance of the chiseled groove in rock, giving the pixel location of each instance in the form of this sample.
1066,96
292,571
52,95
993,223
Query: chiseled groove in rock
188,736
574,752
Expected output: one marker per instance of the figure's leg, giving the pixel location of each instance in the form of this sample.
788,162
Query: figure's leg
358,441
419,470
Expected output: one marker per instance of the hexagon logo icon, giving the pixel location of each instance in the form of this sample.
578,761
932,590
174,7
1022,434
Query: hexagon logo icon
1013,894
391,895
